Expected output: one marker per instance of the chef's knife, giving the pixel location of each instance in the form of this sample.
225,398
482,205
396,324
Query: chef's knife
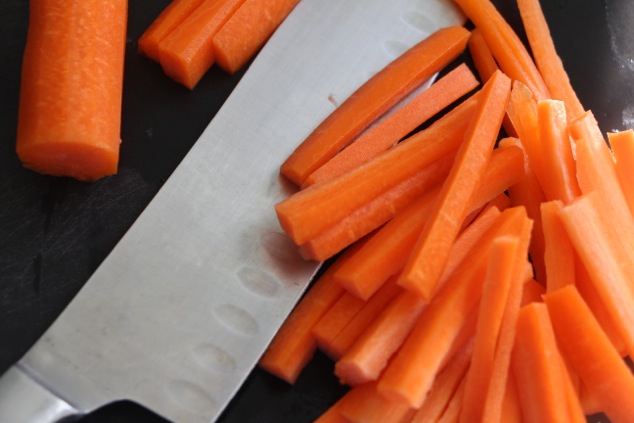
180,311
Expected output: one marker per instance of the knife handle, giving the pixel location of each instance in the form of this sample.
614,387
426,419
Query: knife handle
23,400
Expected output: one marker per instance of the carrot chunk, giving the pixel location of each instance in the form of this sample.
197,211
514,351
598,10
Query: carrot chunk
69,119
373,99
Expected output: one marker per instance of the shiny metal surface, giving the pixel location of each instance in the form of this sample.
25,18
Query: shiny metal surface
178,314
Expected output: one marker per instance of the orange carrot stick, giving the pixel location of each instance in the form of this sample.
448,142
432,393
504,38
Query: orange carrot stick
368,355
623,148
591,353
247,30
511,408
294,344
532,292
424,267
559,253
482,57
376,212
185,54
500,270
308,212
374,98
170,18
538,368
332,414
492,410
546,58
596,242
69,117
508,50
560,182
444,387
410,373
397,125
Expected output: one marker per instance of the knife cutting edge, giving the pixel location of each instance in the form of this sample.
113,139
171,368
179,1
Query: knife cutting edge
180,311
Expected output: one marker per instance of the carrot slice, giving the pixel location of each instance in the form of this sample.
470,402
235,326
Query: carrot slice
424,267
508,50
376,212
444,387
500,270
538,367
398,124
170,18
623,148
308,212
597,242
374,98
559,253
294,344
247,30
546,58
591,353
185,54
409,375
69,117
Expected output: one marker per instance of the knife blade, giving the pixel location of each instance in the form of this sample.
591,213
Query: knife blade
180,311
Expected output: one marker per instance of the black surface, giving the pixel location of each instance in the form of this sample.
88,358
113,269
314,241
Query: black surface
54,232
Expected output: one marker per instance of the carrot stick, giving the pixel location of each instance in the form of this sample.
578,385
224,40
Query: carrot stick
185,53
308,212
591,353
623,148
559,253
511,408
170,18
497,284
374,98
387,252
546,58
537,367
506,338
481,55
69,117
596,242
397,125
444,387
452,412
528,193
376,212
560,181
360,322
294,344
368,355
424,267
409,375
247,30
532,292
332,414
363,404
508,50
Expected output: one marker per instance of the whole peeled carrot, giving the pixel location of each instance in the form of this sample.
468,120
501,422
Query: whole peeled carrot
72,82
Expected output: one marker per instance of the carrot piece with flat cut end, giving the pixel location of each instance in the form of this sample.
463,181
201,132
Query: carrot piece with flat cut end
607,262
375,97
508,50
559,254
591,353
69,117
546,58
532,292
424,267
242,36
170,18
559,180
538,367
397,125
364,404
308,212
185,54
623,149
500,270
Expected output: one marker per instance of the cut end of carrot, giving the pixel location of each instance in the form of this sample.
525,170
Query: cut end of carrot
76,160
